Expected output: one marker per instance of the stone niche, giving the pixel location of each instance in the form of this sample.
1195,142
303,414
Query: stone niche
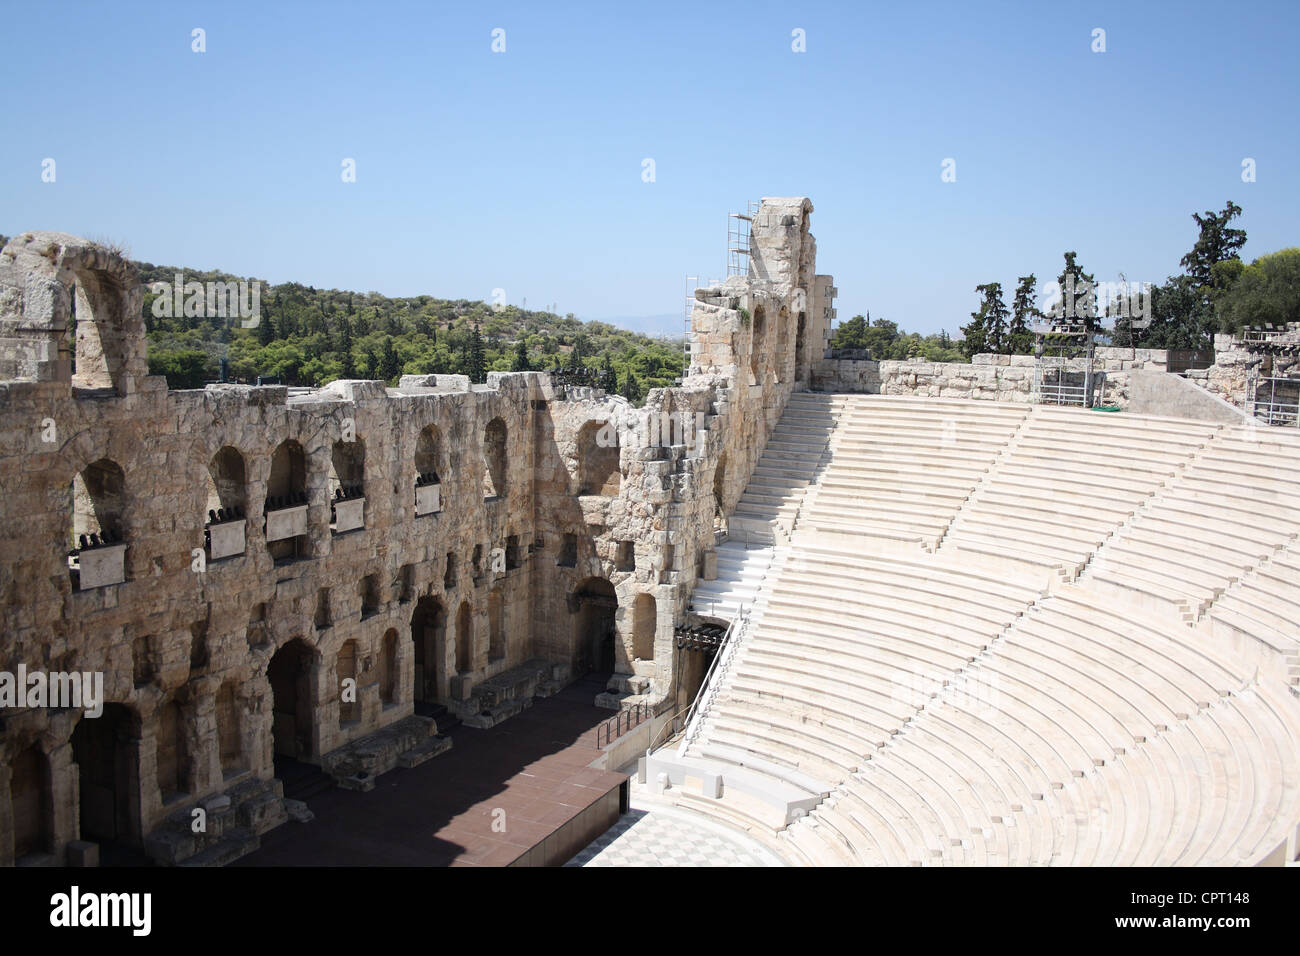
286,523
103,566
225,540
349,515
428,499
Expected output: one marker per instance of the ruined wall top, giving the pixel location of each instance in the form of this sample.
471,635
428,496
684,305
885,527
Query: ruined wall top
44,277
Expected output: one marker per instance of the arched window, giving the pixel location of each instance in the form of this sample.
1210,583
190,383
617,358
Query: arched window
97,526
347,486
224,515
286,503
429,468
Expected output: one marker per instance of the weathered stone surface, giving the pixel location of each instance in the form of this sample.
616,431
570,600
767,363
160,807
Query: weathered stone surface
565,515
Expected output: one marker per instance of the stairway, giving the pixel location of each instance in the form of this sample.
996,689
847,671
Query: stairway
790,463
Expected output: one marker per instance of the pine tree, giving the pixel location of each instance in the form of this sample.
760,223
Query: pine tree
349,366
476,363
265,328
995,318
390,366
608,377
1078,305
975,334
1020,335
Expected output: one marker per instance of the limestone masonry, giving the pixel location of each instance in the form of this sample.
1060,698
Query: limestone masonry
324,574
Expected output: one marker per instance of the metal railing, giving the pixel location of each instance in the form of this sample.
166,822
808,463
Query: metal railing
1276,401
709,687
621,723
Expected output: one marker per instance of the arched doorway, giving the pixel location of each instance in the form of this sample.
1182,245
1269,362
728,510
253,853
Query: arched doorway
106,750
428,633
30,796
289,674
596,606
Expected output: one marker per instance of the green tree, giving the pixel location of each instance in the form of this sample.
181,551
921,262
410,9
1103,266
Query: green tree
477,367
988,326
521,362
1078,304
390,366
1216,242
1264,294
183,369
1024,313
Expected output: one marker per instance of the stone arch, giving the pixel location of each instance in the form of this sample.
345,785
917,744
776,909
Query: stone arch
31,796
495,460
430,456
286,487
599,471
429,635
644,620
594,605
347,467
59,290
288,478
227,480
464,638
292,708
97,525
98,500
107,753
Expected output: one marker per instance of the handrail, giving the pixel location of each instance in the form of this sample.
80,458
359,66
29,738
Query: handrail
613,729
707,689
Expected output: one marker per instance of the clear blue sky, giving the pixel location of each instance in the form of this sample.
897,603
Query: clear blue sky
522,170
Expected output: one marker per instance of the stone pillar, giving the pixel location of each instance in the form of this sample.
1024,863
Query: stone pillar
204,741
65,825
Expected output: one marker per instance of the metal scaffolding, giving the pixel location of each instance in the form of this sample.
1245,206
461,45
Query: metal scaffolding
738,239
1063,374
1275,401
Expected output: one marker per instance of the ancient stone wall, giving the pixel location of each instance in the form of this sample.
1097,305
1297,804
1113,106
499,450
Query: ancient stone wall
1003,378
257,549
